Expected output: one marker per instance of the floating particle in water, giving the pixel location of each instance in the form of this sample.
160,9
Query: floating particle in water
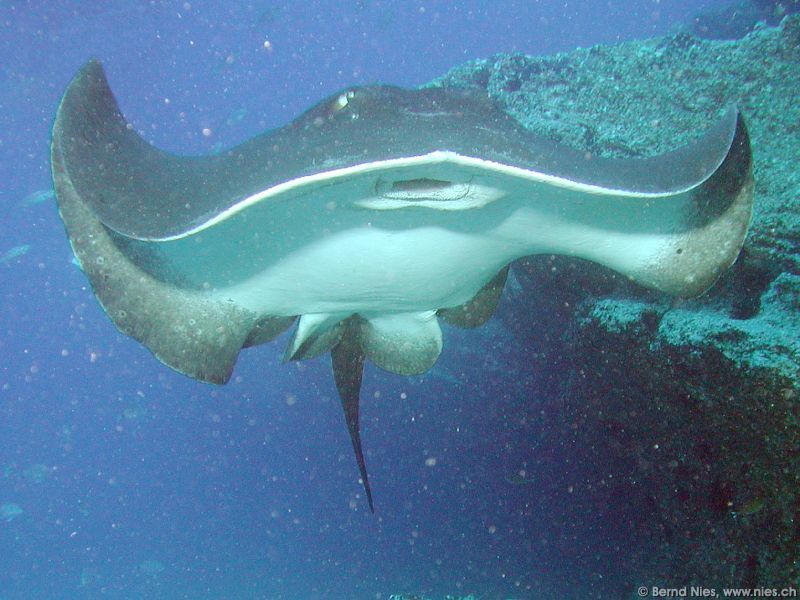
37,197
134,412
14,252
37,473
520,477
236,116
10,511
151,567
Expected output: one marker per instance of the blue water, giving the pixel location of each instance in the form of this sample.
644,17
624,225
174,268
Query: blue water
137,482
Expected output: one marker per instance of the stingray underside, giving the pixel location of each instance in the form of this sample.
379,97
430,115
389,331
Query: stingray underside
397,182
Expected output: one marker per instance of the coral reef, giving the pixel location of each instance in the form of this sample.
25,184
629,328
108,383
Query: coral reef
693,404
737,20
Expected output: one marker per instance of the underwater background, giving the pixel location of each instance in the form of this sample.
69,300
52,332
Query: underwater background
592,438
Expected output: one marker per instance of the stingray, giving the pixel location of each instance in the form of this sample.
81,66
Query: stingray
366,221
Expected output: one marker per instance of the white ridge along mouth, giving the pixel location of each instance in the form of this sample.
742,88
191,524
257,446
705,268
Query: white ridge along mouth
429,192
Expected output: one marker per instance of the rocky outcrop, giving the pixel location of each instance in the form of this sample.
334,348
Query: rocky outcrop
692,406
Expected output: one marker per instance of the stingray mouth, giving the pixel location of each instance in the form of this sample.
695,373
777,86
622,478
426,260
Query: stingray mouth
421,189
424,192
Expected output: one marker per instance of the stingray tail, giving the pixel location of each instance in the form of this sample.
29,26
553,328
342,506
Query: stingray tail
348,368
